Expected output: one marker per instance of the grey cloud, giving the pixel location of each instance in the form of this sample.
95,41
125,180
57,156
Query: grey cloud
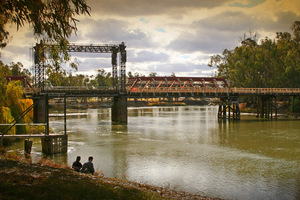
113,31
214,34
228,22
93,64
148,56
205,41
19,50
146,7
249,4
282,24
90,55
187,68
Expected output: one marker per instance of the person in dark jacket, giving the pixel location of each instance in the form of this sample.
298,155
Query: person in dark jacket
77,164
88,167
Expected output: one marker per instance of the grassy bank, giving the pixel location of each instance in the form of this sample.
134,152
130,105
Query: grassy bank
23,180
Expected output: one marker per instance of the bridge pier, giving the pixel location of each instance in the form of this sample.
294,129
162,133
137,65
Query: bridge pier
51,144
229,109
55,144
41,111
119,110
27,146
267,107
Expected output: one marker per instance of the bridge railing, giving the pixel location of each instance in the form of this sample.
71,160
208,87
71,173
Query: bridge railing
169,90
176,90
202,90
70,90
265,90
77,89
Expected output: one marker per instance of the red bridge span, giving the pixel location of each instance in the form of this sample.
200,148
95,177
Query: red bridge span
196,86
168,87
150,87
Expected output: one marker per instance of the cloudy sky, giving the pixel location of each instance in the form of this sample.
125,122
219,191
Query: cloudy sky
166,36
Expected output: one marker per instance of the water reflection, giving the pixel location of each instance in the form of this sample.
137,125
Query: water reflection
188,148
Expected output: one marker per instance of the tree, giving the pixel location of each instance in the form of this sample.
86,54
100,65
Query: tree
15,102
130,75
103,79
52,20
17,69
4,71
56,77
153,74
12,103
270,63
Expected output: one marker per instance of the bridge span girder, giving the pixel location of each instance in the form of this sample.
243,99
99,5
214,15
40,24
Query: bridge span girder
177,86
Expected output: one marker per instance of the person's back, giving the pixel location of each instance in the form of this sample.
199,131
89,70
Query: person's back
77,164
88,167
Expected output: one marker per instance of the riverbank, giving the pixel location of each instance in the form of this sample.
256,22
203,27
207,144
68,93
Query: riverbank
76,104
24,180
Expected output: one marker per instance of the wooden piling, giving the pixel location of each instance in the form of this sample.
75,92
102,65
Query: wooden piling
27,146
53,144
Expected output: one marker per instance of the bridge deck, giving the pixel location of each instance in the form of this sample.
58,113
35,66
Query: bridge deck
164,91
168,86
31,136
175,91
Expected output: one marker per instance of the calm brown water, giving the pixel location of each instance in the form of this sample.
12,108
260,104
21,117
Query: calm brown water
188,148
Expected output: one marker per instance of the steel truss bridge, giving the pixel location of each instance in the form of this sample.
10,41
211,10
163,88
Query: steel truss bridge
151,87
196,87
148,87
138,87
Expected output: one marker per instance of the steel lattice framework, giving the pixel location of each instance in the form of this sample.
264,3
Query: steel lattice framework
39,69
181,86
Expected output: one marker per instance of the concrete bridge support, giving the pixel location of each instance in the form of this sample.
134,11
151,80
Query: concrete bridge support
51,144
119,110
41,111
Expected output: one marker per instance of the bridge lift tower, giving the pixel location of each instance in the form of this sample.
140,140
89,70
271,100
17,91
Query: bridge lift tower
119,108
40,98
118,85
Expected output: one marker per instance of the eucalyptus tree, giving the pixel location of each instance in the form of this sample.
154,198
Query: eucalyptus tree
52,21
270,63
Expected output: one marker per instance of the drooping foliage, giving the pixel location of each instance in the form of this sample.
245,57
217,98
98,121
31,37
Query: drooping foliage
272,63
52,21
17,105
12,103
6,118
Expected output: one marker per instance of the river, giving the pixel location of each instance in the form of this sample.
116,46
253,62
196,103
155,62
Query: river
187,148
